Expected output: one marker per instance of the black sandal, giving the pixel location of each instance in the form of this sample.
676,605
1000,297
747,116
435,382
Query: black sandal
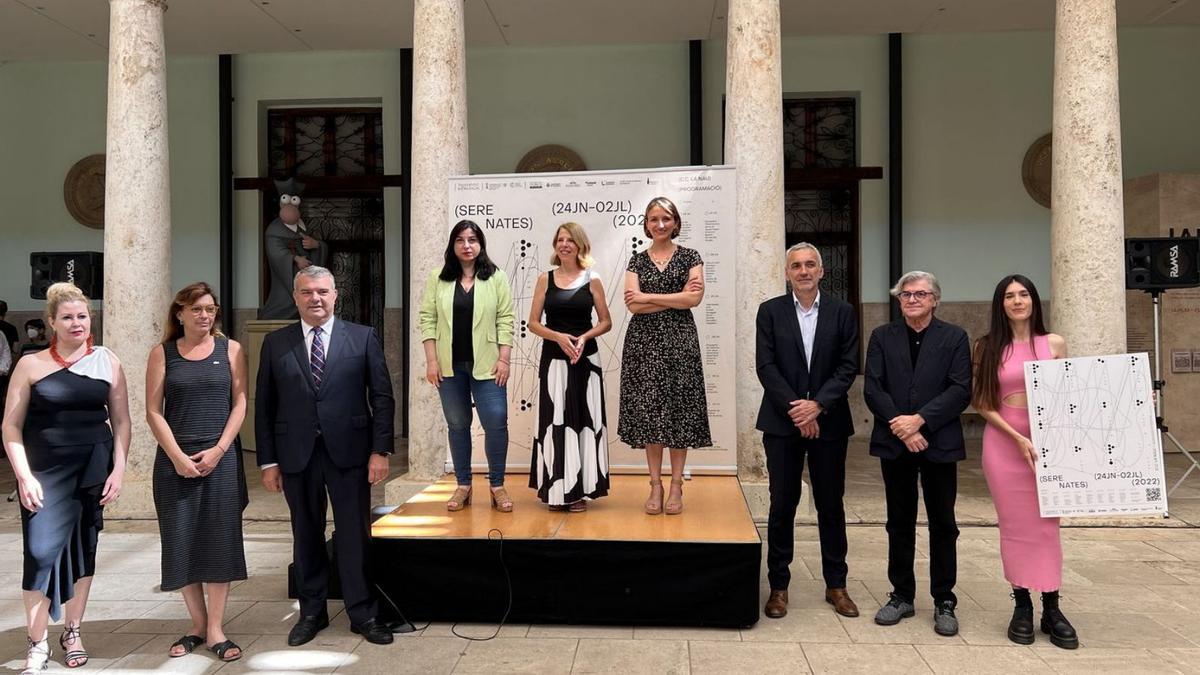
221,648
188,642
74,658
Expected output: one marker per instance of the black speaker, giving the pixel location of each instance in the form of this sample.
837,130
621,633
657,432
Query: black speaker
85,269
1161,263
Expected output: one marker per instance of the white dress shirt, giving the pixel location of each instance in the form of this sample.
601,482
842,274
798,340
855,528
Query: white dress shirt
808,325
326,336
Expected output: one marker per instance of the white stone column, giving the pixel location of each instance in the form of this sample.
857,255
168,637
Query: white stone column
754,143
137,219
439,150
1087,215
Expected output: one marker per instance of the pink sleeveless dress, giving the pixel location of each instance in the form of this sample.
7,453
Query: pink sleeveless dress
1030,547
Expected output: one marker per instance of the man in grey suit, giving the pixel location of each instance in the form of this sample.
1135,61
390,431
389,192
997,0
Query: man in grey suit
290,247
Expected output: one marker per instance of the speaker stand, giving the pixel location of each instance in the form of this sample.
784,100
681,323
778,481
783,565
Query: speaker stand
1159,383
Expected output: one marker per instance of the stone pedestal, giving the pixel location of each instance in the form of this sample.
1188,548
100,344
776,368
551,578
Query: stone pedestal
1154,206
1086,223
137,220
256,332
439,150
753,129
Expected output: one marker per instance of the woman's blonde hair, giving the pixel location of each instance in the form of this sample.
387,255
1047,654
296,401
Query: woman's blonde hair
577,234
63,291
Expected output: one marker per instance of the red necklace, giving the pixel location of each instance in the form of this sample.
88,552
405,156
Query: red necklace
58,357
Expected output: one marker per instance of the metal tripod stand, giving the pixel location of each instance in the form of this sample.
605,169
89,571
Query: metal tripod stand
1159,383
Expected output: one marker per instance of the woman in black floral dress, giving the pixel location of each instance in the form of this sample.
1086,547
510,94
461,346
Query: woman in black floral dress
662,378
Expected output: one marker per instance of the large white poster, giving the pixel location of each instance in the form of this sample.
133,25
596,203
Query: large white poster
520,214
1092,423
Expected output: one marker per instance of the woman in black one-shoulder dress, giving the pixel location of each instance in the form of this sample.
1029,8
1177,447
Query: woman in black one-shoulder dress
195,405
66,431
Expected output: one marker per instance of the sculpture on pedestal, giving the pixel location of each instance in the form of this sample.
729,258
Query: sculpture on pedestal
289,247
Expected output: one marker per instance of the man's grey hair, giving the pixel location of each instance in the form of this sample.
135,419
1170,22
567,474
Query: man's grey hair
802,246
917,275
313,272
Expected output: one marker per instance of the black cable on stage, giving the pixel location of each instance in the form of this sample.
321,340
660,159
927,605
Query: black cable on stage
508,584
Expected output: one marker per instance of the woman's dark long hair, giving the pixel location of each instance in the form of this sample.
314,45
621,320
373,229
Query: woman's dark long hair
991,348
187,296
452,269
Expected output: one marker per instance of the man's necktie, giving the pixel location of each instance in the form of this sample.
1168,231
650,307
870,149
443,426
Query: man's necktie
317,360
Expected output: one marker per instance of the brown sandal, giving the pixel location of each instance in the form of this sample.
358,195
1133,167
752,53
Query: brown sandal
654,504
501,501
578,507
459,500
675,502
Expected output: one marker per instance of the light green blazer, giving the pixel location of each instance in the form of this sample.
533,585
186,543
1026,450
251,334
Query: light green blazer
491,326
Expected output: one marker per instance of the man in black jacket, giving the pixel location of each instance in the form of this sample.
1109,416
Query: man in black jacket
323,424
918,382
807,357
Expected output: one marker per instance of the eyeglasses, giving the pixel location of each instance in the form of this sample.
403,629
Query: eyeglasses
198,310
915,295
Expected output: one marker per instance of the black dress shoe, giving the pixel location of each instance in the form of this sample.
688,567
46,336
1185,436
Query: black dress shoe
307,628
373,631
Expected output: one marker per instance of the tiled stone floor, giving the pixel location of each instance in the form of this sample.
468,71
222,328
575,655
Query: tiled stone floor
1133,593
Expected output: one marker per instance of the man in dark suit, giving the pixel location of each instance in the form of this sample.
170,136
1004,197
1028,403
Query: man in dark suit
918,382
323,423
807,357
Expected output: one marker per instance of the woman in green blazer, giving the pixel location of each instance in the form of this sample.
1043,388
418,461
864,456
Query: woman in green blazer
467,330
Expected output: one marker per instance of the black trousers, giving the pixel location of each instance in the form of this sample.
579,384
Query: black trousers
350,493
939,484
827,474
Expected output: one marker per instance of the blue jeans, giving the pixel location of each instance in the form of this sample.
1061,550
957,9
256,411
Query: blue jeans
491,400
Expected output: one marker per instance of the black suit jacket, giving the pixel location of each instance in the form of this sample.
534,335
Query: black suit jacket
353,409
780,360
938,388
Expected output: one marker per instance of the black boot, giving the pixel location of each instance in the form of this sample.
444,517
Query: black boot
1061,632
1020,629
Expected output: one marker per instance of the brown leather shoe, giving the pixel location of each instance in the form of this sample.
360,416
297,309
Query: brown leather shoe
776,605
840,599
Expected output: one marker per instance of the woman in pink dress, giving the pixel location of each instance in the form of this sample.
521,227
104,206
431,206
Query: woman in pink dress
1030,547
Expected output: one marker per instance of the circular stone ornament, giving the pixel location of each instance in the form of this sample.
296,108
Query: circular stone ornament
550,158
1035,170
83,191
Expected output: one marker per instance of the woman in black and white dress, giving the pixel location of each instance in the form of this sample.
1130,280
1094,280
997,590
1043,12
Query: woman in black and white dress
570,450
195,405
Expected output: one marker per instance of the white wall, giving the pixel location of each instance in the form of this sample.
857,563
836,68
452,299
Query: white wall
51,115
618,107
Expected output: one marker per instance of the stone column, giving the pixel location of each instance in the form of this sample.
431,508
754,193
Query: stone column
1087,215
439,150
754,144
137,219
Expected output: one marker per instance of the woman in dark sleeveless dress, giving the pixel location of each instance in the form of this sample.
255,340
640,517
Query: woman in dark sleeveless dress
663,403
570,449
195,404
69,463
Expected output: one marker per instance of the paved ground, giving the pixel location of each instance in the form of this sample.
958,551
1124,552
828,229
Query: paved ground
1133,593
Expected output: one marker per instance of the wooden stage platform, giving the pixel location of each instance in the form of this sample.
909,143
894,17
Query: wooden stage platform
610,564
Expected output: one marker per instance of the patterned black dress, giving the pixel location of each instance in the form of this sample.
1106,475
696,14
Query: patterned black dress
570,452
200,519
69,446
662,376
